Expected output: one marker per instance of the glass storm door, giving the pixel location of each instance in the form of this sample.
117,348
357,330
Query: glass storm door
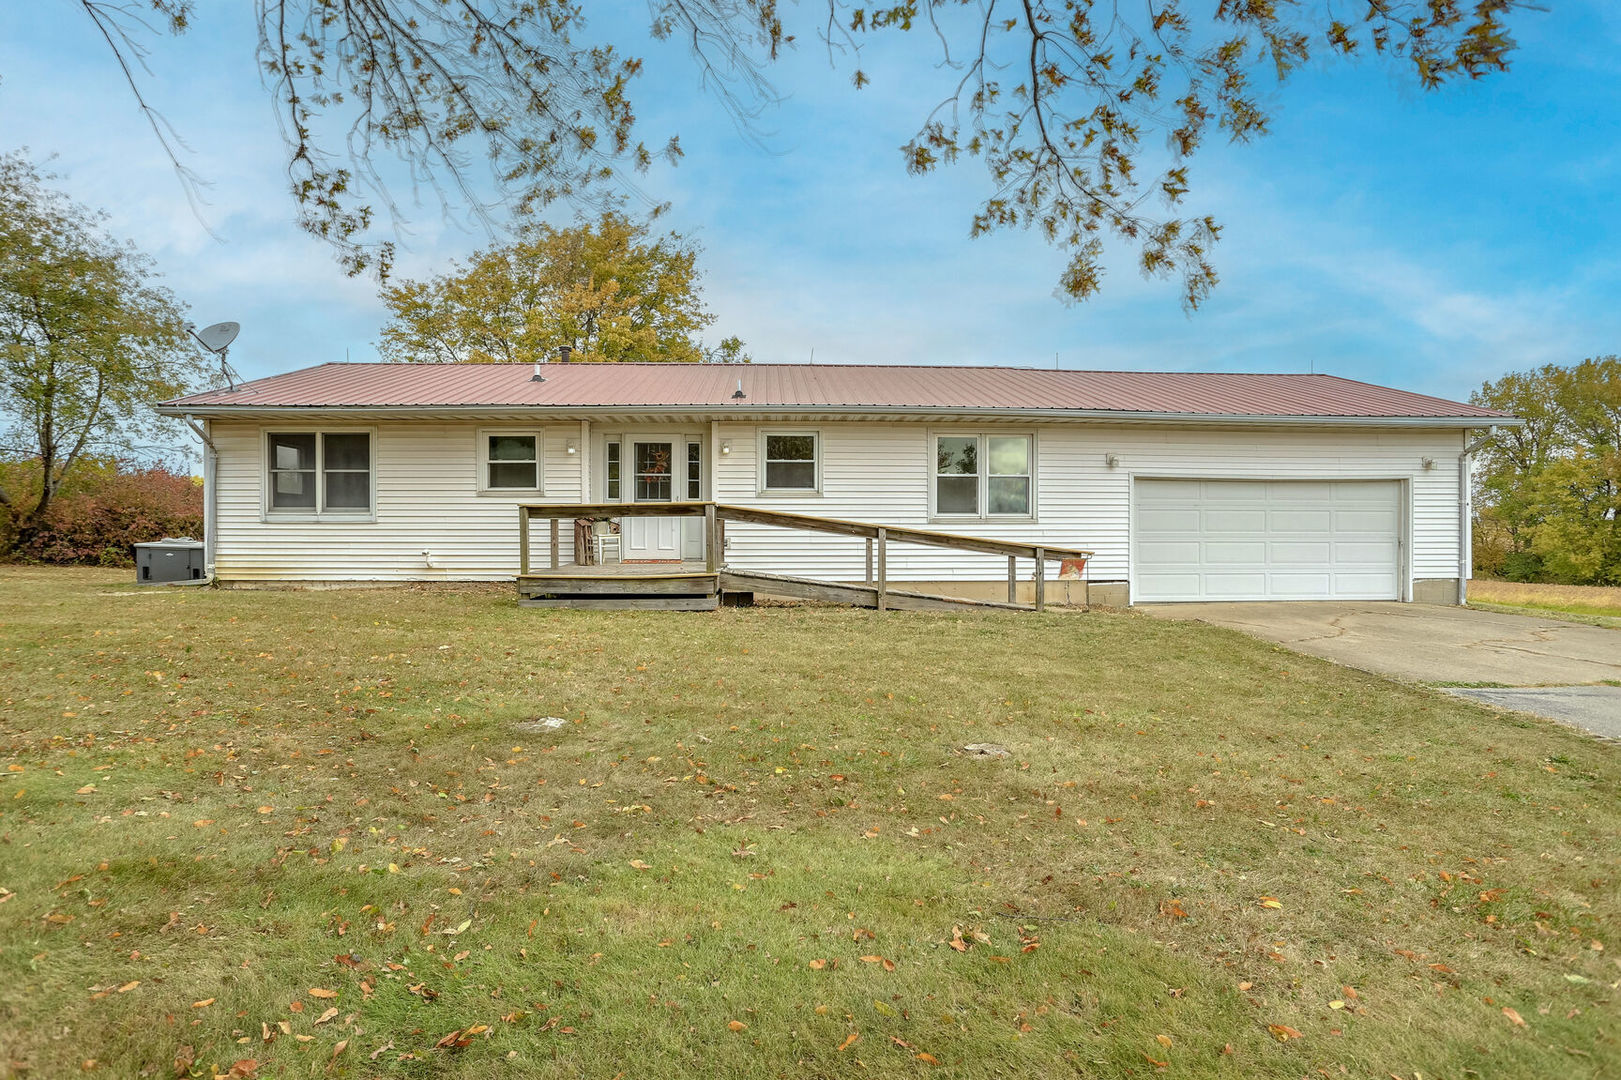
656,475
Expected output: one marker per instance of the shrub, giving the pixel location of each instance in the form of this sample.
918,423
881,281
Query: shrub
102,512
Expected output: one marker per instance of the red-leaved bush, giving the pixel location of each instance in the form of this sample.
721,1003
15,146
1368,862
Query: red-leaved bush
103,510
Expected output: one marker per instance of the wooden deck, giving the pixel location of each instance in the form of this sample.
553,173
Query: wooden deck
701,586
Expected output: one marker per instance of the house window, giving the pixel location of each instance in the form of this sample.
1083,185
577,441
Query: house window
654,475
984,476
695,471
611,490
319,472
789,461
511,460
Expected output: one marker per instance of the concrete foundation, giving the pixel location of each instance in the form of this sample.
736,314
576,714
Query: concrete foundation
1435,591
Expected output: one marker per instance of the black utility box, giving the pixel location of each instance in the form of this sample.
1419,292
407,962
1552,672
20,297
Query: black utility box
169,559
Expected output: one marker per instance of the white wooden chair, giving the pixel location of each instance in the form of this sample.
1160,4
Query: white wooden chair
604,542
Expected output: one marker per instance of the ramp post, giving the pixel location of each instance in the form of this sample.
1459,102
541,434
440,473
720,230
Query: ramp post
883,544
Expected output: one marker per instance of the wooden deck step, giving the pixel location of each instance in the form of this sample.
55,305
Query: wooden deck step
833,592
677,583
625,603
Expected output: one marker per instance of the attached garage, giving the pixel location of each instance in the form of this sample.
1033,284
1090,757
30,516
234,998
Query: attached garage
1267,540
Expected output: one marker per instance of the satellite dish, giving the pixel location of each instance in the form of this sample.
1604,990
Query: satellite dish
218,338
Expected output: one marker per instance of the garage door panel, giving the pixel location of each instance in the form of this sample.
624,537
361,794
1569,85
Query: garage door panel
1379,522
1170,551
1266,540
1300,553
1216,492
1284,586
1300,521
1224,586
1157,520
1233,521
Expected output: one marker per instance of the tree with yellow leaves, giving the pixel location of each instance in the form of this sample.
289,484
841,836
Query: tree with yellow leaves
608,290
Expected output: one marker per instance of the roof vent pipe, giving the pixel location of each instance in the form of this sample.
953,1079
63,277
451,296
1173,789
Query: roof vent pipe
537,376
738,394
564,352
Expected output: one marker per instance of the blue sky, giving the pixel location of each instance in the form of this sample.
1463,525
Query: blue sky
1428,241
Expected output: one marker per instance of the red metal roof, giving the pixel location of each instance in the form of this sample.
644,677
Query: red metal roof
822,386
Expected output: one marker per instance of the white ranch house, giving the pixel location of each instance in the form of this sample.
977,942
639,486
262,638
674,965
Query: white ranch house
1184,487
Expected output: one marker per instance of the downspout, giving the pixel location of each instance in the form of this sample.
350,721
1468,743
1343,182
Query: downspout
211,456
1466,508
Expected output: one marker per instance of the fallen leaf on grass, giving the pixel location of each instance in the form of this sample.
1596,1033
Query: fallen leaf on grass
737,1025
243,1068
640,865
381,1050
329,1014
336,1050
203,1004
854,1038
889,965
319,992
1163,1040
1270,902
183,1059
127,987
1283,1032
817,965
928,1059
1513,1017
1172,910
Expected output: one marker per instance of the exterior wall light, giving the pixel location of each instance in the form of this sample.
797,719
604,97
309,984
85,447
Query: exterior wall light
1111,460
726,448
1429,463
573,447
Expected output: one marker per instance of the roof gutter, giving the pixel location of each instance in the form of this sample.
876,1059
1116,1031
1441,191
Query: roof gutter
440,412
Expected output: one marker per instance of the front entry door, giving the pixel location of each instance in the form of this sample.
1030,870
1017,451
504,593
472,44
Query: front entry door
653,478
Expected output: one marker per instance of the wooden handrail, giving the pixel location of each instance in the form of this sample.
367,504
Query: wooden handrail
837,526
877,537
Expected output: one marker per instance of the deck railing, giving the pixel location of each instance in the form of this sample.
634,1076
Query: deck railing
878,537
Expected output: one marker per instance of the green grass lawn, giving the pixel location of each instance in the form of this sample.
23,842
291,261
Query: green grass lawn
314,833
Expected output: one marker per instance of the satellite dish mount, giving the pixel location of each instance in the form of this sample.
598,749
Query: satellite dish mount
217,340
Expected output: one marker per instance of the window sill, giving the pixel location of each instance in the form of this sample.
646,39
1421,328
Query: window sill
512,493
989,519
329,518
789,493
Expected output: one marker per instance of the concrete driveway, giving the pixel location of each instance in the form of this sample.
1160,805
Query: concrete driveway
1433,644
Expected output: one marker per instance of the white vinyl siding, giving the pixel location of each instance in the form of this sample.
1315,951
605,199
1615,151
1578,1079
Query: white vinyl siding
426,495
881,472
1267,540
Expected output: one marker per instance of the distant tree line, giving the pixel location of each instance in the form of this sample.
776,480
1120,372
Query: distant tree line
1548,494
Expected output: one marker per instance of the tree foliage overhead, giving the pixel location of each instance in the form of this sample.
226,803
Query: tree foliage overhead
1085,113
1550,491
607,290
88,341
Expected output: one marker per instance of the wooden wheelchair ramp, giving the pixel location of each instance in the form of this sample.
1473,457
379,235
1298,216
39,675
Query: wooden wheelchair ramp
702,586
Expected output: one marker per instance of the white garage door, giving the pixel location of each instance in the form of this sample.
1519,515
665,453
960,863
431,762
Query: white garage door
1267,540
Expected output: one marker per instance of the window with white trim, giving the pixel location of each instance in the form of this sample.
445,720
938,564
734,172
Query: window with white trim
319,473
789,461
611,476
509,461
983,475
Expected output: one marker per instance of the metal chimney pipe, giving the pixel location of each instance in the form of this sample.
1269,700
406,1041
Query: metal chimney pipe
564,352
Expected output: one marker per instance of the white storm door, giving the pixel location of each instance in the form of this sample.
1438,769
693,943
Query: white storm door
654,468
1267,540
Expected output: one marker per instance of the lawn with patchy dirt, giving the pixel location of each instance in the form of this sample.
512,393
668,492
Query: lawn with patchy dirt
323,834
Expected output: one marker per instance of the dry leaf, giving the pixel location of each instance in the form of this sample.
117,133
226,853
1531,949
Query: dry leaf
244,1068
127,987
640,865
203,1004
1163,1040
1271,902
818,965
318,992
329,1014
1513,1017
737,1025
854,1038
928,1059
1283,1032
183,1059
